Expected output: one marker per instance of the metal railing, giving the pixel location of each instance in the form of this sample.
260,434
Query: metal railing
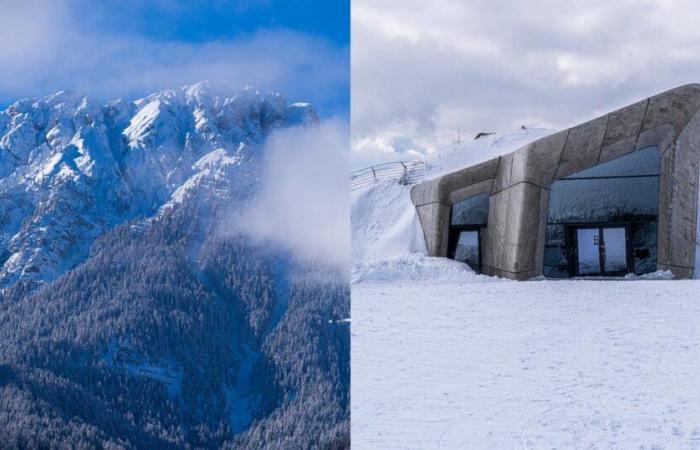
405,172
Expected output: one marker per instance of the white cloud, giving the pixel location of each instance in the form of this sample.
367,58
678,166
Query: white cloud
47,47
303,204
424,69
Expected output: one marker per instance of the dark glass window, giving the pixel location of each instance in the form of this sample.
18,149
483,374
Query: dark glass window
467,249
468,218
471,211
620,192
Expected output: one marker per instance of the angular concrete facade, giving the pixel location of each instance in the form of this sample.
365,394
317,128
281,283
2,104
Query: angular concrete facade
519,184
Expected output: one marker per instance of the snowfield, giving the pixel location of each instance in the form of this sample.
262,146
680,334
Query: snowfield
445,358
540,364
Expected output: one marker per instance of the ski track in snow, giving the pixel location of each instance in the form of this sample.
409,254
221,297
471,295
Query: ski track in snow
540,364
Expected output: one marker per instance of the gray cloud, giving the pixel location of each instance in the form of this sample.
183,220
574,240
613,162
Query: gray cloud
421,70
47,47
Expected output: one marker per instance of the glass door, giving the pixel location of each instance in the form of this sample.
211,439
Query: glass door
588,250
601,250
467,249
614,249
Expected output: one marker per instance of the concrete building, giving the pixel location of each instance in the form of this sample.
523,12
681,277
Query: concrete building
615,195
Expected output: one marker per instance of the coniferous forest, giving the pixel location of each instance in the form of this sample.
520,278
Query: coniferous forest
144,347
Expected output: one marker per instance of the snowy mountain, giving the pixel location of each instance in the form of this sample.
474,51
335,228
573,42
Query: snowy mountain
72,168
133,311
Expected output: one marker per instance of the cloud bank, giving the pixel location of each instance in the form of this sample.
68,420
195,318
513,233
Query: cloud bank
303,205
422,70
50,45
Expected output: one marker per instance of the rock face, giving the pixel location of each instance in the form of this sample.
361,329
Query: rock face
72,168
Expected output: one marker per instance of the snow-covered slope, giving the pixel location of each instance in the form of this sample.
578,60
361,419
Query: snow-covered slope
384,223
72,168
469,153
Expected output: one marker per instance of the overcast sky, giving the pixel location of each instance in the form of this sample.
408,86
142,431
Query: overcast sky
421,70
130,48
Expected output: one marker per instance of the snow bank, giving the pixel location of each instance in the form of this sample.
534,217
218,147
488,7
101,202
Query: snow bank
388,243
416,267
657,275
384,223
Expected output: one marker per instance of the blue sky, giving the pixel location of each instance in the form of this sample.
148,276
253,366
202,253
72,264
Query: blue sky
130,48
224,19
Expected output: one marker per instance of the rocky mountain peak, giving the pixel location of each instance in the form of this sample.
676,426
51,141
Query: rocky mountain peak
72,167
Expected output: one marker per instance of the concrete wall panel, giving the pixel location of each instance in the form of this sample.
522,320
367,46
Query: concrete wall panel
525,205
542,225
505,167
684,202
440,190
582,147
514,230
493,241
663,246
661,136
537,162
466,177
424,193
622,131
460,194
435,221
625,123
675,107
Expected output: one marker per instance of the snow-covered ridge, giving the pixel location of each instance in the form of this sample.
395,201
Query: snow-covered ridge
71,167
470,153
